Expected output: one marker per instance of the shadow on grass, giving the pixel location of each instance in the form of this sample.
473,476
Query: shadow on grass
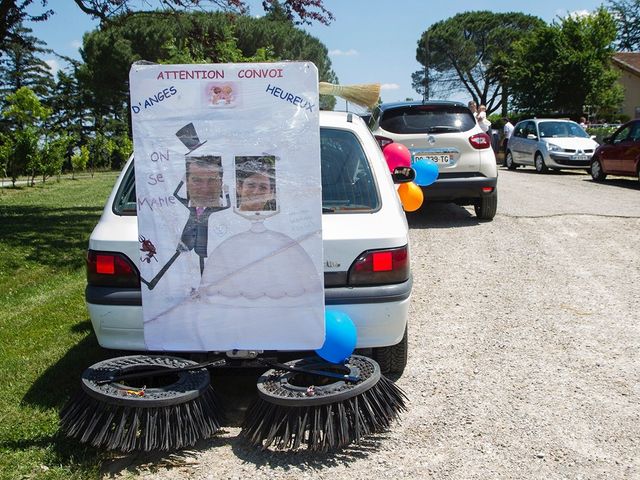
56,237
62,379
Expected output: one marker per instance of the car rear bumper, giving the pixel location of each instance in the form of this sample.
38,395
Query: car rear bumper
379,313
453,188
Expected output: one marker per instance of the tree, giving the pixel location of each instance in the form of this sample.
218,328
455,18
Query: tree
14,12
23,146
79,160
67,103
24,114
52,156
563,66
109,51
21,66
461,54
100,151
626,14
24,109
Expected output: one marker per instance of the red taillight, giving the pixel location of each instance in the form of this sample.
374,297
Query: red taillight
105,264
382,261
383,141
480,141
110,269
487,189
377,267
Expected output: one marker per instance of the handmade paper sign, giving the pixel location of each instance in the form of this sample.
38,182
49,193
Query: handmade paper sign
227,161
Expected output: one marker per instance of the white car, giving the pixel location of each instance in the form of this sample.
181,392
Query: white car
362,222
548,143
448,134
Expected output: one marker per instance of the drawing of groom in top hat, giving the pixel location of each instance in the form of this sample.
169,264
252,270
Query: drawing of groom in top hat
205,195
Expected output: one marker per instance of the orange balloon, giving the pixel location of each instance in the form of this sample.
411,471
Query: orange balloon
411,196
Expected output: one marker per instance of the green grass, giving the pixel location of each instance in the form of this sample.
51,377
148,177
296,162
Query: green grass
46,339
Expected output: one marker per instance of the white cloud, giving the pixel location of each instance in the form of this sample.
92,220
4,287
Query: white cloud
53,65
343,53
76,44
580,13
575,13
389,86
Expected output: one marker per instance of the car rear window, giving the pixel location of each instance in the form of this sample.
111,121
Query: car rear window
347,181
348,184
427,119
125,200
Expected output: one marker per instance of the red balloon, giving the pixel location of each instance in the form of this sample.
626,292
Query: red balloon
397,155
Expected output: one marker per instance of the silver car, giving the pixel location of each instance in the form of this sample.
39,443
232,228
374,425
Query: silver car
547,143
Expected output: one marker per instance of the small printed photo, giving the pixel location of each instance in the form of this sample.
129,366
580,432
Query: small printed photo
221,94
256,183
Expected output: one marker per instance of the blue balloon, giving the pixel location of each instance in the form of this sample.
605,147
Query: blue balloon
426,172
340,337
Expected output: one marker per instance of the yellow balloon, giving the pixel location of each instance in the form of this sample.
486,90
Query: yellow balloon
411,196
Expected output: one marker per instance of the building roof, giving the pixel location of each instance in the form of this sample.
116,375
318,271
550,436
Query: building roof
629,61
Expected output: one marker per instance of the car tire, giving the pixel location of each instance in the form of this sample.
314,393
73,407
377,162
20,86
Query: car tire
487,206
392,359
508,161
538,162
596,171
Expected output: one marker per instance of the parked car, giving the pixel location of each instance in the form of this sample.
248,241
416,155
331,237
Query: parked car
362,221
547,143
619,154
447,133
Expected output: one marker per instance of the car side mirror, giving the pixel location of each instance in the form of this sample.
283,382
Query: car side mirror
593,137
403,175
531,136
606,139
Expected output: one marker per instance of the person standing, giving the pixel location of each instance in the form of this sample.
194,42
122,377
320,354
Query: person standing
473,107
483,121
507,130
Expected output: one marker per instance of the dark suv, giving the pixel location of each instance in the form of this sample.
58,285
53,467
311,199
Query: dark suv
447,133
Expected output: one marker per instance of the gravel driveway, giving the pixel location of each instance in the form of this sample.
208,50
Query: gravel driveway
524,350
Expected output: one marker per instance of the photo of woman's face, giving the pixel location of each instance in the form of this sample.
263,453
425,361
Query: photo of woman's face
254,192
255,184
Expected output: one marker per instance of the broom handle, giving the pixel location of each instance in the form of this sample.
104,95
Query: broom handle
163,371
319,373
220,363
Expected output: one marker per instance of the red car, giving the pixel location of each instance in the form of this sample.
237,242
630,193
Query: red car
619,154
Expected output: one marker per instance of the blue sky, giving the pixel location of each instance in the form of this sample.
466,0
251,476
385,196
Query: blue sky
369,41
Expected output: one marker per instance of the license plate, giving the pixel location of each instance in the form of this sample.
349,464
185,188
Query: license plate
436,158
579,157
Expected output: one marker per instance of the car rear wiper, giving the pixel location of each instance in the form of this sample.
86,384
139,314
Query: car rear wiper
442,128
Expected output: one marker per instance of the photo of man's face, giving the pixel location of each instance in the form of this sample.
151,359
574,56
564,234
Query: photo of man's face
255,183
204,181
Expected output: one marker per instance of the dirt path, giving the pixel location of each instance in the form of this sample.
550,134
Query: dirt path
524,350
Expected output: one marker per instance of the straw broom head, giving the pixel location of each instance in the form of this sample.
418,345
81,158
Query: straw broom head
363,94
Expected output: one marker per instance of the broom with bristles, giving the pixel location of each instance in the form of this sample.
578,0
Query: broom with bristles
143,403
296,410
363,94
